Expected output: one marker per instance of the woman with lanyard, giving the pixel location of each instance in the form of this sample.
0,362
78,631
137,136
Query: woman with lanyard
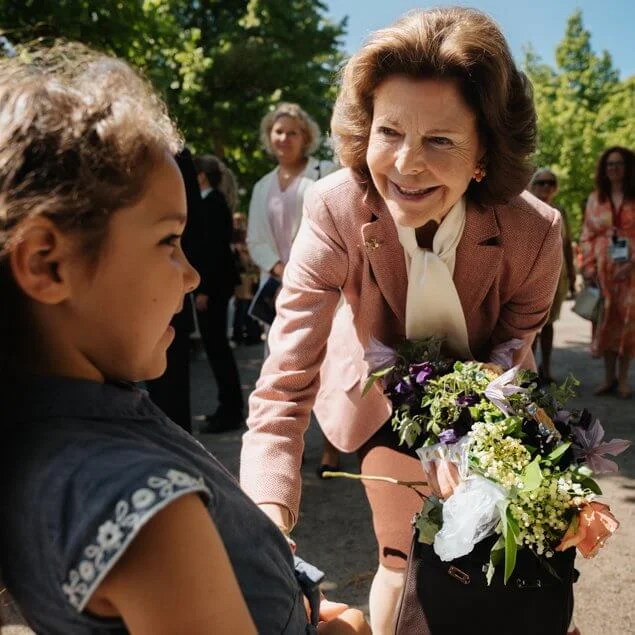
607,240
426,232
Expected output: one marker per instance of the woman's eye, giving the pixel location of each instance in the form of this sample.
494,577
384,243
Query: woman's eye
441,141
173,240
387,132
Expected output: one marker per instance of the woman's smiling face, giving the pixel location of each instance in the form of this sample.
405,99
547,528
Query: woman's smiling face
423,147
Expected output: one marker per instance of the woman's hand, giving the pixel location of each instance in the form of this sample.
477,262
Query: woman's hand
443,477
277,270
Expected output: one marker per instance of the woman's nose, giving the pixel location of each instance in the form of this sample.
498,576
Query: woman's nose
409,160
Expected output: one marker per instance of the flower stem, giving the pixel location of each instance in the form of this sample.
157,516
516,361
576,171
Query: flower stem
386,479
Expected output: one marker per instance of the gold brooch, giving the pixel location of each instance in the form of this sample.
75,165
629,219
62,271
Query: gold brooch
372,244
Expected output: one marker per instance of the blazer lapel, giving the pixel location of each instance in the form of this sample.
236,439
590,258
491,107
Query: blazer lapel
386,257
478,257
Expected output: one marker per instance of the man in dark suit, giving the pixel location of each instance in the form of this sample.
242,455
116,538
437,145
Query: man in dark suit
171,391
219,278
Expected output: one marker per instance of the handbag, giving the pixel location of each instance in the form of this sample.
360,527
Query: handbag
453,598
588,304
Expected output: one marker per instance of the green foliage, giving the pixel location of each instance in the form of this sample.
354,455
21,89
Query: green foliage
429,521
582,108
220,64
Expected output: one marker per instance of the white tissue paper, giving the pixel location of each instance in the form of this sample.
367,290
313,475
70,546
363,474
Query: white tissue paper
469,515
453,452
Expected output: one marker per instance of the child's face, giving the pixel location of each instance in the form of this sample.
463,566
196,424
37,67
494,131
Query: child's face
121,311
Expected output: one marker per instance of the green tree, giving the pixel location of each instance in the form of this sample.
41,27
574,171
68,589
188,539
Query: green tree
582,108
220,64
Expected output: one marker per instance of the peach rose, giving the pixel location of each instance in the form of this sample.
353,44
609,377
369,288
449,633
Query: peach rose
595,525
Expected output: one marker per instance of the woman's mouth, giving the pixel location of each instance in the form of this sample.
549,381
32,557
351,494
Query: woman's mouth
413,194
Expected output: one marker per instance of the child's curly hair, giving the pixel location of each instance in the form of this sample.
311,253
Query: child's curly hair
79,134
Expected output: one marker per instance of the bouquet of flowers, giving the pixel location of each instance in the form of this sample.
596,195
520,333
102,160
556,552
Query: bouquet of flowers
503,455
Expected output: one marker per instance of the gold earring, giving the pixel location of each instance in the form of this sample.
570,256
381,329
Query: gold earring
479,173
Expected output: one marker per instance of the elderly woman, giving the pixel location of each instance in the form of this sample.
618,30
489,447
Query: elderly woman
544,185
289,135
607,240
427,232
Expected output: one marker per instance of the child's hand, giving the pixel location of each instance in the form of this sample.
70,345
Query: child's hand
338,619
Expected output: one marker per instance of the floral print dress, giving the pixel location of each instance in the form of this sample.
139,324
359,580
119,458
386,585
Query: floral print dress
615,332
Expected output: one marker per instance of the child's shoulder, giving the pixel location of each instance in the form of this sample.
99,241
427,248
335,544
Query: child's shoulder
82,477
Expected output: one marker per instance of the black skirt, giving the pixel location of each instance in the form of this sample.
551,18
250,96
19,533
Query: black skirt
448,598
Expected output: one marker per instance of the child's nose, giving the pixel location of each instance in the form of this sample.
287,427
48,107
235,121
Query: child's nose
191,277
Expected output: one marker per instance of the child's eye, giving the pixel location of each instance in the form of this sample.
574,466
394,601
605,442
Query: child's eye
173,240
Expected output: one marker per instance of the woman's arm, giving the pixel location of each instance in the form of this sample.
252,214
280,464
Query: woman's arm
524,314
280,406
587,239
175,577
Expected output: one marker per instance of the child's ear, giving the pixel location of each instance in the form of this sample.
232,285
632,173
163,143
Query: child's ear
39,261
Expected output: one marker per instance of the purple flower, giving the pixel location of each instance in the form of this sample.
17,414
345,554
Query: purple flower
562,416
420,373
501,388
582,419
459,428
588,445
467,400
400,392
503,354
379,356
449,436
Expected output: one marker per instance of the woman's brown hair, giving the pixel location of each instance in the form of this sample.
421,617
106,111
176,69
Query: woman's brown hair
458,44
602,182
79,134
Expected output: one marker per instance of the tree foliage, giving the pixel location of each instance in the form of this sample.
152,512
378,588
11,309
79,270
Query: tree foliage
220,64
582,108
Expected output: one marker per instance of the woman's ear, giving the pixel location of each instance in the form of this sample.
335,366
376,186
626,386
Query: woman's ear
39,260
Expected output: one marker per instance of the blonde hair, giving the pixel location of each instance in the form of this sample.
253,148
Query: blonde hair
286,109
540,171
463,45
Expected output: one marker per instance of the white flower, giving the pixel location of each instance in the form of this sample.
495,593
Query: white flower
501,388
143,498
109,535
180,478
86,570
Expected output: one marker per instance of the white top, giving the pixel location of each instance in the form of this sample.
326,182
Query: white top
281,212
433,306
260,238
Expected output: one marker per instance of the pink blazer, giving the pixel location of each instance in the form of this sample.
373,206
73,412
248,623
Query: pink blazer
507,268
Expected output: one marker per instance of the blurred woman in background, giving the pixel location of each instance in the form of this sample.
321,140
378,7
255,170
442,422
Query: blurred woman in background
544,185
290,136
607,242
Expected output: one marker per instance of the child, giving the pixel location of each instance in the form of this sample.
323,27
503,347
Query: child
112,518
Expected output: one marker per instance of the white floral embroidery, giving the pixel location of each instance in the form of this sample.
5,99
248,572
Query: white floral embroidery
114,535
143,498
